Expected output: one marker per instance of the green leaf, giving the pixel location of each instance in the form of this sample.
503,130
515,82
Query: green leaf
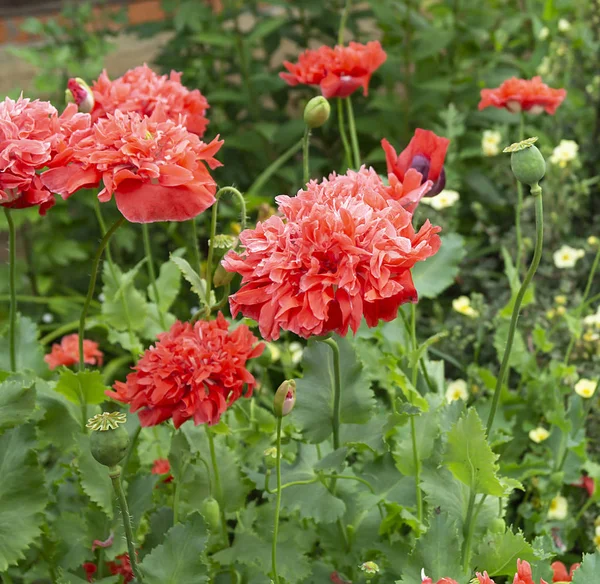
23,494
17,402
168,283
470,458
498,553
94,478
73,542
589,571
399,378
437,273
29,352
515,284
314,397
81,387
181,557
264,28
198,284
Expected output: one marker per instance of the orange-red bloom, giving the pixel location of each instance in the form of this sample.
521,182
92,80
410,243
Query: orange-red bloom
523,94
524,575
122,566
162,466
29,133
425,153
339,71
154,167
192,372
343,250
441,581
67,352
560,572
484,578
587,483
142,91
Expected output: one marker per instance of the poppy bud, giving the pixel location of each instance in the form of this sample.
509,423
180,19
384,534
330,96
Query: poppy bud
211,512
109,440
527,163
270,457
498,525
79,92
316,112
285,398
222,277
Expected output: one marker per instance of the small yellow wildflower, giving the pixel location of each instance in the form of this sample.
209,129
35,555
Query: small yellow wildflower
586,388
538,434
560,299
559,507
457,389
462,305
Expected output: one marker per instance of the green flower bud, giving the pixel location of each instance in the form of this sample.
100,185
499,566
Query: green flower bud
210,510
527,163
285,398
222,277
316,112
270,457
498,525
109,440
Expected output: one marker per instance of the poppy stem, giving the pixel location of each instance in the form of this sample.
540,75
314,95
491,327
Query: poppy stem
115,477
342,129
536,191
305,154
92,286
343,22
413,430
266,174
277,505
519,207
218,494
353,135
195,248
152,273
12,279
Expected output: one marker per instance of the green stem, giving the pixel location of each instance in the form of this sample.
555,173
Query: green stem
343,21
353,135
59,332
92,285
177,493
342,129
337,391
195,248
217,481
519,207
6,579
115,476
536,191
266,174
413,431
468,530
583,509
277,506
12,283
132,443
305,152
582,304
152,273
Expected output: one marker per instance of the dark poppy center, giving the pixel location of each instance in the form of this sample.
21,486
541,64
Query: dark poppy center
421,164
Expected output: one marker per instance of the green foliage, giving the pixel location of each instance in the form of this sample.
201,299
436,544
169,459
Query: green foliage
17,402
589,569
81,387
498,553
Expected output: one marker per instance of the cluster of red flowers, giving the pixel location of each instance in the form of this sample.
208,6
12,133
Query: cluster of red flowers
121,566
142,91
344,251
193,372
67,353
340,71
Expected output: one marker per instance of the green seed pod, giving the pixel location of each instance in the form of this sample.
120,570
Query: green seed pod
316,112
285,398
109,440
527,163
211,512
498,525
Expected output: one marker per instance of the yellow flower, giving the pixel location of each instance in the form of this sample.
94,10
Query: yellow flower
560,299
457,389
592,240
566,256
586,388
538,434
597,542
445,199
561,310
550,314
564,153
590,337
490,142
559,507
462,305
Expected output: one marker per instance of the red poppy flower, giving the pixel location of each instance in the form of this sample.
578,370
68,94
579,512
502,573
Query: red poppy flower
194,371
441,581
524,575
343,250
142,91
122,567
103,544
587,483
154,167
339,71
67,352
29,134
523,94
561,574
90,569
161,466
425,153
484,578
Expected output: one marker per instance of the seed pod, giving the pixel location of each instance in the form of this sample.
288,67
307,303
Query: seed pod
527,163
285,398
210,510
316,112
109,440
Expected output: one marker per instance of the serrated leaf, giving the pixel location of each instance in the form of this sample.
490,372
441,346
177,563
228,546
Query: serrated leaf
94,478
23,494
81,387
498,553
314,396
334,461
73,542
470,458
437,273
589,571
197,283
17,402
28,350
168,283
181,557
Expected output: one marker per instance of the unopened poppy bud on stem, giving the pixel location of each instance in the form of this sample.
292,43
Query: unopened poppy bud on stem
285,398
316,112
222,277
79,92
109,440
527,163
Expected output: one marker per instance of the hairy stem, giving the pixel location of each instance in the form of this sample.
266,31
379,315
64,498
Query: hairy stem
277,505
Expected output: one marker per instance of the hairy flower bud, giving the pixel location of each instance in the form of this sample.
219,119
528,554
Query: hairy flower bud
222,277
109,440
527,163
210,510
285,398
316,112
79,92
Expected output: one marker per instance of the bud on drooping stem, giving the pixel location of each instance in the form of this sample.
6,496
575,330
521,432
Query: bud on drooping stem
285,398
109,440
316,112
80,93
222,277
527,163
